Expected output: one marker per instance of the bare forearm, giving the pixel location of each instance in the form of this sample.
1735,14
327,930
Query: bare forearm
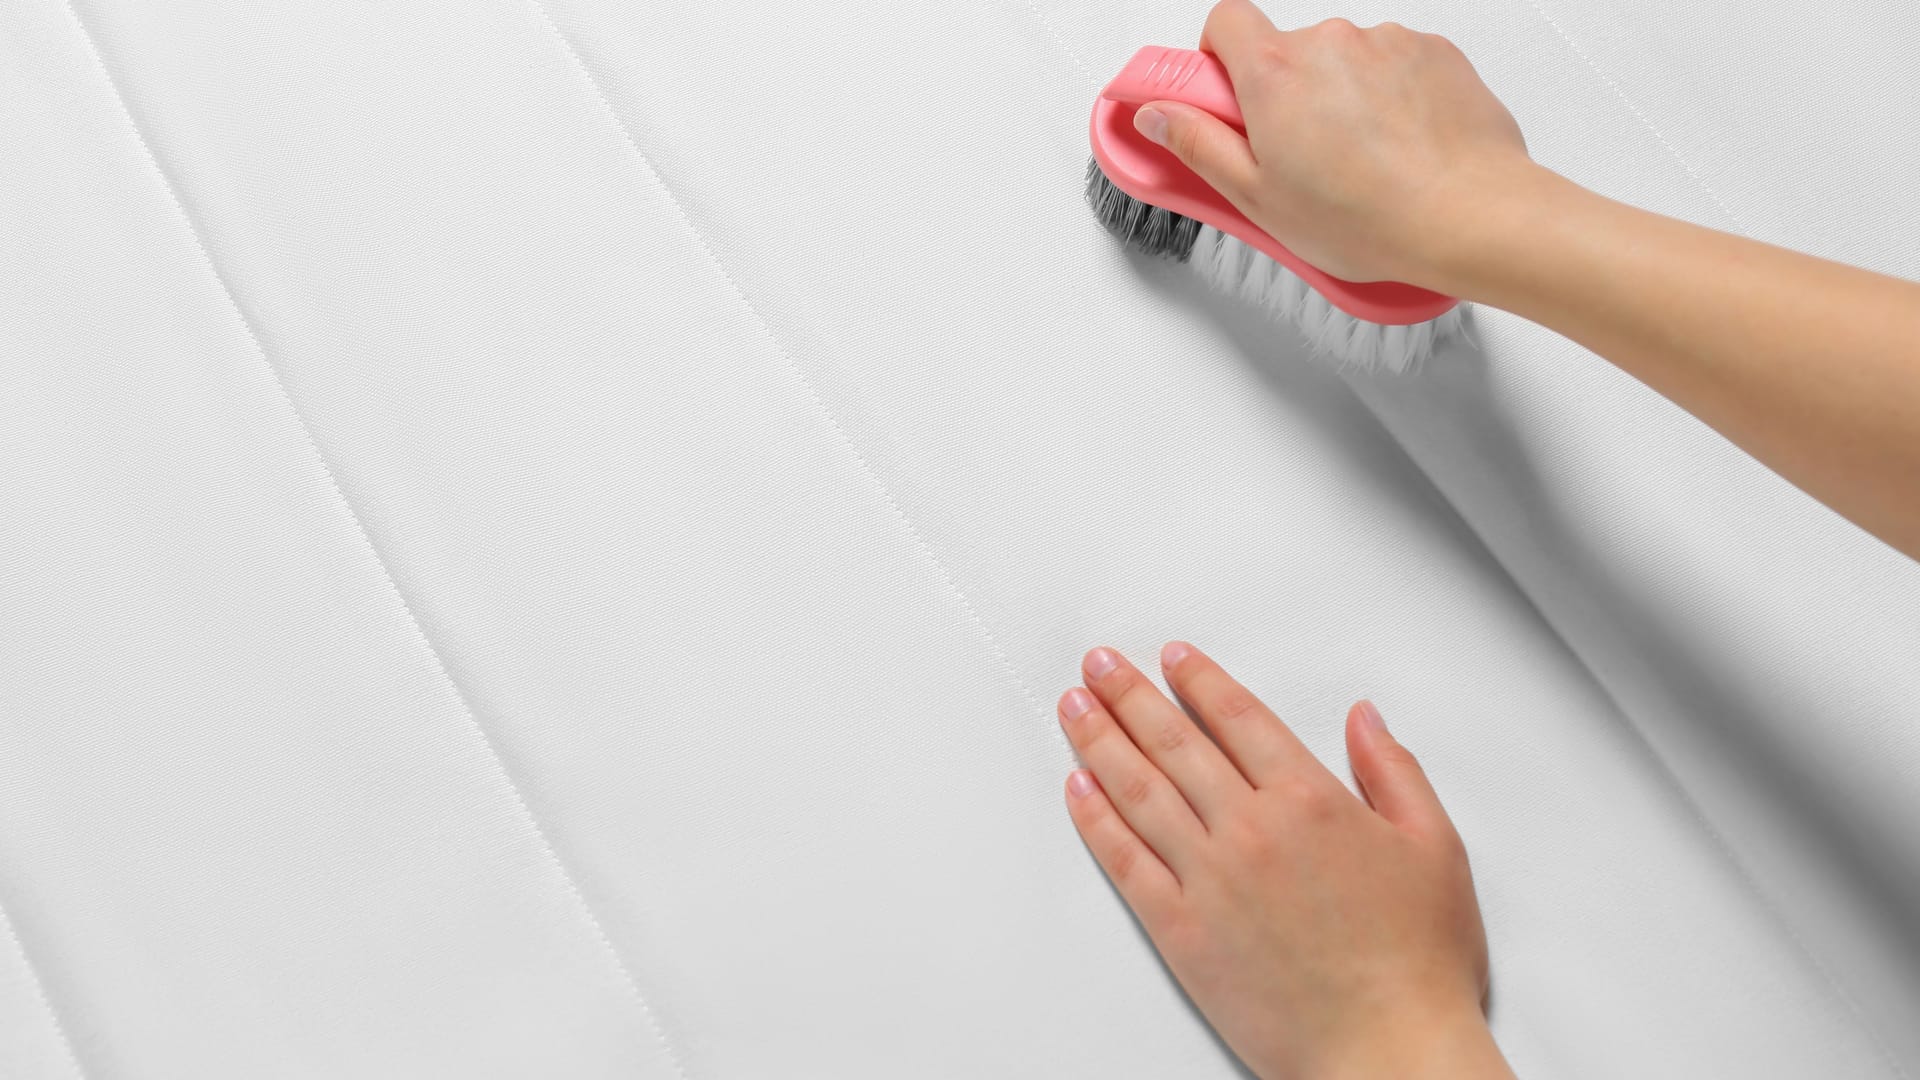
1379,154
1810,366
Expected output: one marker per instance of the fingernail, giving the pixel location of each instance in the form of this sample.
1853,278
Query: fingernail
1370,717
1100,661
1080,783
1152,123
1076,704
1174,652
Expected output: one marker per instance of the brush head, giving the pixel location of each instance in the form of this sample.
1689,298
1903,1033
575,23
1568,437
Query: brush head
1149,229
1238,269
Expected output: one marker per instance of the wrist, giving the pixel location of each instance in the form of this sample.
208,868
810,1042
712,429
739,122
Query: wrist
1452,1044
1484,222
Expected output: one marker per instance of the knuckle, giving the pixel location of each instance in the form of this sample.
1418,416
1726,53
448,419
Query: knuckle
1180,934
1337,27
1123,863
1184,139
1235,704
1172,738
1446,51
1135,791
1310,801
1399,757
1272,56
1250,843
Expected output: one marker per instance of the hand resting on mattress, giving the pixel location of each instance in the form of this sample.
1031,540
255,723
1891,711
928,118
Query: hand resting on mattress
1323,936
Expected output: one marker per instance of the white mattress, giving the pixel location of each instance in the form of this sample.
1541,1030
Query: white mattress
541,536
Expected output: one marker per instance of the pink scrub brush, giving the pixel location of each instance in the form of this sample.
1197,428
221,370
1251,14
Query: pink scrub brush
1148,199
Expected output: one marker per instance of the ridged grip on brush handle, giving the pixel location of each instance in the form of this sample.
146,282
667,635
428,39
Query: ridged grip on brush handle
1188,76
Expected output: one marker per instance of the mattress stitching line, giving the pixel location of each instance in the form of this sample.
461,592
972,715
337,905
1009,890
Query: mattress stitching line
1040,16
886,491
40,993
1618,92
1713,834
570,886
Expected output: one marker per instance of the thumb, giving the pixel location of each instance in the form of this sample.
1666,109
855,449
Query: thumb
1204,143
1391,777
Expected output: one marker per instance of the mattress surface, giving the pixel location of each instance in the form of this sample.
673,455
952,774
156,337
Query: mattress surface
541,537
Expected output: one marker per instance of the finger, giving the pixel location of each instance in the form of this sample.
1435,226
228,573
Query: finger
1261,747
1147,885
1235,32
1165,735
1204,143
1143,795
1392,779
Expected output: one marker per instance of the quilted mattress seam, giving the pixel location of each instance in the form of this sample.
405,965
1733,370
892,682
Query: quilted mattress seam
569,881
947,576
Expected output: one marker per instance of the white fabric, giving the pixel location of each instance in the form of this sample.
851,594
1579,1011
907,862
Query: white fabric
542,535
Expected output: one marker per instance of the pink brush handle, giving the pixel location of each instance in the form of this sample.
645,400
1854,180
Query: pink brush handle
1156,177
1188,76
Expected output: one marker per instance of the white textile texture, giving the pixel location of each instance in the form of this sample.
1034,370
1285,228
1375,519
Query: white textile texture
541,537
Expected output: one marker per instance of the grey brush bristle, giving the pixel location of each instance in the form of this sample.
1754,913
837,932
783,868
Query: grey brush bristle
1139,225
1238,269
